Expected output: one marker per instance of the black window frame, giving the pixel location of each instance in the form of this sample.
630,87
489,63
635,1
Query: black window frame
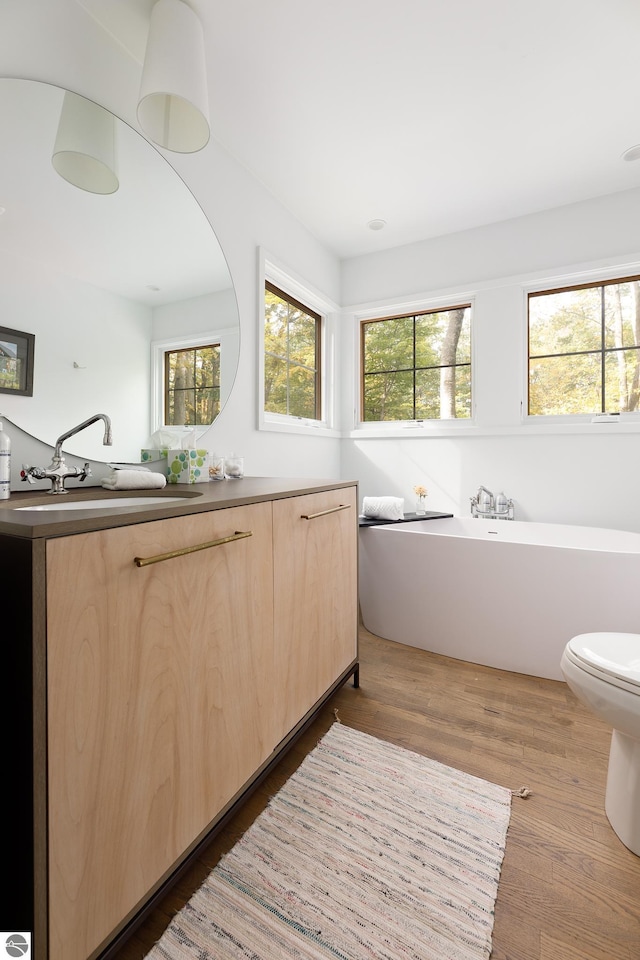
602,351
414,316
168,392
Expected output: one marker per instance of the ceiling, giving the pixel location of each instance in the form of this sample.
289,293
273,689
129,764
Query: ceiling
434,116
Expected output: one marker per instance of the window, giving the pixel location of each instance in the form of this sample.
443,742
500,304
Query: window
192,385
584,349
292,337
418,366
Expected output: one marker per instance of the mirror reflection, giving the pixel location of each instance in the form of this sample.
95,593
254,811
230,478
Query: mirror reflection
107,280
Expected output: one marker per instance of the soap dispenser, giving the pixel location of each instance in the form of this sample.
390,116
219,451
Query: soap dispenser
5,464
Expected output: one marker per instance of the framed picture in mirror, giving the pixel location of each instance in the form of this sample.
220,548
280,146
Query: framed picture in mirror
16,362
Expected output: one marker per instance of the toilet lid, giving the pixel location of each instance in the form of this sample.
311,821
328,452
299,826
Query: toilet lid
615,654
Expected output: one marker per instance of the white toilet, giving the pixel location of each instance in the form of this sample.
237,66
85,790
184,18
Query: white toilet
603,670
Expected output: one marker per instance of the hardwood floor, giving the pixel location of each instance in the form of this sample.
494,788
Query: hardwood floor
569,889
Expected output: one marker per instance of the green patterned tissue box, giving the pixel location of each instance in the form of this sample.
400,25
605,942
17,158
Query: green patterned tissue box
187,466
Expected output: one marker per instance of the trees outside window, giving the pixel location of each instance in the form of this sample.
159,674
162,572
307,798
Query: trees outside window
292,338
192,385
584,349
418,366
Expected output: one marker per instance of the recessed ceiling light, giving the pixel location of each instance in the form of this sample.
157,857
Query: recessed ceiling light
153,288
378,224
2,210
633,153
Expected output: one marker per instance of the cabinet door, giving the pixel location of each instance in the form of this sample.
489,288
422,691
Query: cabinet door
159,699
315,597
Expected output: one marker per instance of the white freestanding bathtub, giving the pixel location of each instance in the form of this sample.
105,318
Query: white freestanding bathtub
506,594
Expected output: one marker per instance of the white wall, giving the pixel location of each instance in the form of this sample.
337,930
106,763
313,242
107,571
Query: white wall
107,336
597,230
58,42
584,474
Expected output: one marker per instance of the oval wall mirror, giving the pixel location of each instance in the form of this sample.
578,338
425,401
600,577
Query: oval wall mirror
103,281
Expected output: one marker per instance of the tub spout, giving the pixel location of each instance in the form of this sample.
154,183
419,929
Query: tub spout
483,503
485,497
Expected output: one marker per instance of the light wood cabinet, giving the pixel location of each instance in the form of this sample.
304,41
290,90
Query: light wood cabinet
158,707
315,597
148,698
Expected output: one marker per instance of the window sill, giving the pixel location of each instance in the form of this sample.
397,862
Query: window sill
526,428
440,428
305,427
580,427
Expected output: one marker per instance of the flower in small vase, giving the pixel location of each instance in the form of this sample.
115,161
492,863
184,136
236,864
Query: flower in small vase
421,493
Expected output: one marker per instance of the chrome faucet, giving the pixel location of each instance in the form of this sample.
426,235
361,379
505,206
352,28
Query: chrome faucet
485,498
497,507
58,471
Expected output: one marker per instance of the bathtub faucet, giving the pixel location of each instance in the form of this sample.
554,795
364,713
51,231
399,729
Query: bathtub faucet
497,507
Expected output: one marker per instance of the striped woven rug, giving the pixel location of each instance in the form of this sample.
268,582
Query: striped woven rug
368,851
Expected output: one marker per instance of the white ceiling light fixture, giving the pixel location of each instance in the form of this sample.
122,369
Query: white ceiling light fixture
633,153
84,152
173,107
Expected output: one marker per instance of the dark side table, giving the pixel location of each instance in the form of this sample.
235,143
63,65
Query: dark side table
429,515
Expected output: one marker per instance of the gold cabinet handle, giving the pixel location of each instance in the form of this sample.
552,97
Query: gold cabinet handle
323,513
145,561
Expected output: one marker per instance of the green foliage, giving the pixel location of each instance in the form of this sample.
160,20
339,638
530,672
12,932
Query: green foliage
584,350
9,373
417,367
291,359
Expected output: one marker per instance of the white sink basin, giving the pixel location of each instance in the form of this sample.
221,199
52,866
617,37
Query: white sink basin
110,504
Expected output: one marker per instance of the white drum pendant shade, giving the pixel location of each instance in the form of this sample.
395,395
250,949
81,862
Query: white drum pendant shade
173,106
84,153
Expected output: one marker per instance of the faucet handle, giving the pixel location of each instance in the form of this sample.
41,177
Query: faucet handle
26,473
85,472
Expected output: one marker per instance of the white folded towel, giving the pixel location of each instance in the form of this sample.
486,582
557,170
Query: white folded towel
383,508
134,480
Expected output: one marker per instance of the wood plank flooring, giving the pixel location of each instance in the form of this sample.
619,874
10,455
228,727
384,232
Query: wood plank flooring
569,889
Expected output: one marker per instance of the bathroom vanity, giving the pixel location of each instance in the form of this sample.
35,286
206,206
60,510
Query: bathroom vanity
161,658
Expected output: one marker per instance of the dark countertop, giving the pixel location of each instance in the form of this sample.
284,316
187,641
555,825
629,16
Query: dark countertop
408,517
199,498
